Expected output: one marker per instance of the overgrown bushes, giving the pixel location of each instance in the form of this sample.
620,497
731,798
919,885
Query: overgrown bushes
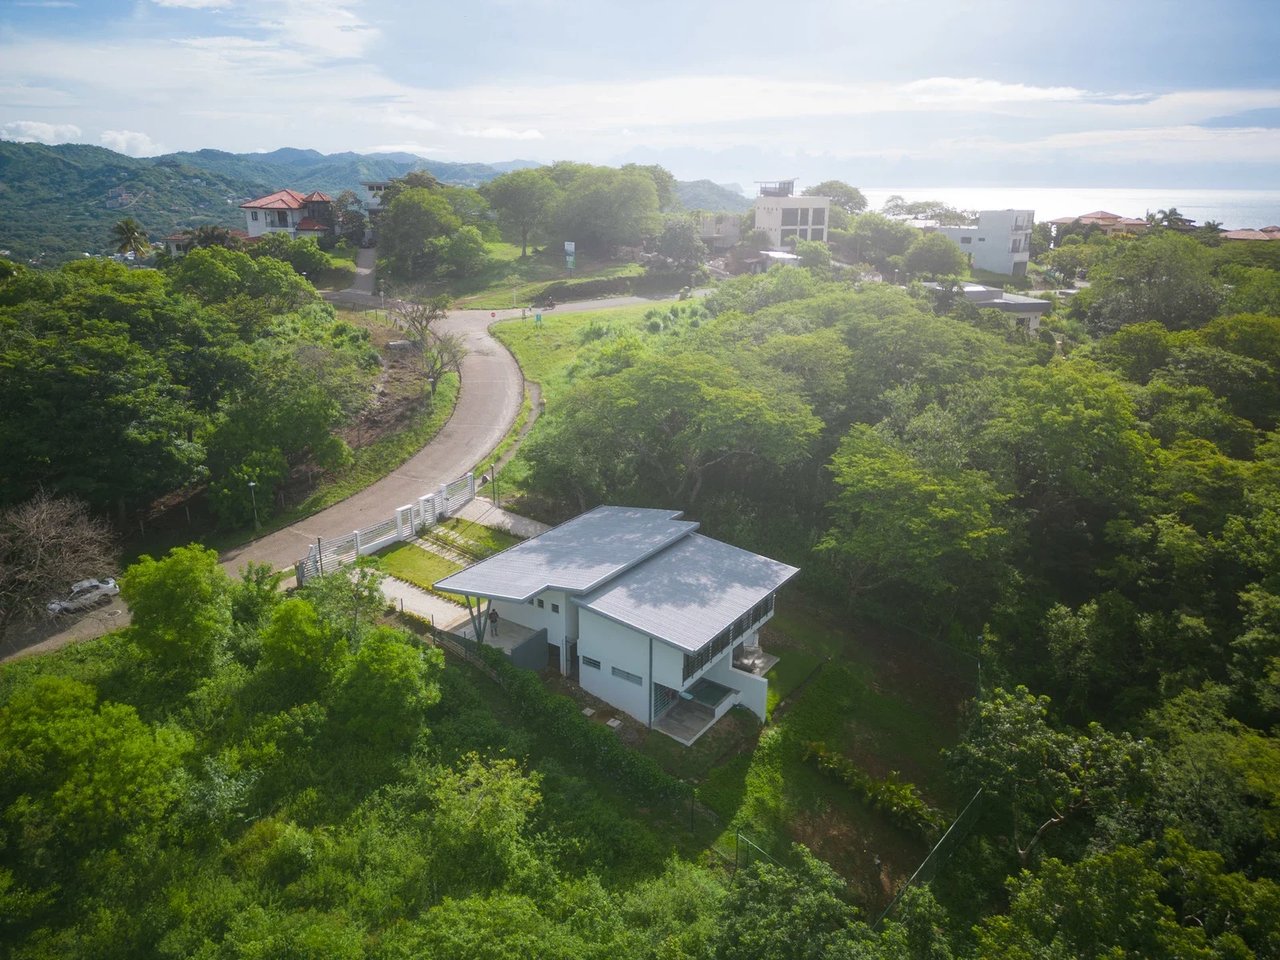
559,717
899,801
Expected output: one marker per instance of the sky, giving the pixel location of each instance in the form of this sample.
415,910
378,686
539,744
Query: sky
1122,93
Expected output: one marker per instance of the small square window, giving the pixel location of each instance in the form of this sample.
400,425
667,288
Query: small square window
555,608
540,603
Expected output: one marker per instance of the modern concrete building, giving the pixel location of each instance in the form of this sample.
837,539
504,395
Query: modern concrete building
784,216
1000,242
646,613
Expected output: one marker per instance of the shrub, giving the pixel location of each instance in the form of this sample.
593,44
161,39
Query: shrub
899,801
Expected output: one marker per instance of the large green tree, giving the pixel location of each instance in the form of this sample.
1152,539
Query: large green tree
523,200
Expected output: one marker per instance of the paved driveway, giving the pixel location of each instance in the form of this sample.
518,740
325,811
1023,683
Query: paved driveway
488,403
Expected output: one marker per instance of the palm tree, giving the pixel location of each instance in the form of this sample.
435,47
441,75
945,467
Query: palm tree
130,237
1174,220
212,235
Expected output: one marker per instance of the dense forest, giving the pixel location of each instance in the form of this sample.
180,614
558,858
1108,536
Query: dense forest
118,386
1092,511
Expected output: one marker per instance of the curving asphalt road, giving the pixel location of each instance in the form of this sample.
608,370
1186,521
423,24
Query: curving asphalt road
488,402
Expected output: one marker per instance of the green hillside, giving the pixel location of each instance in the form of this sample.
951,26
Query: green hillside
59,202
705,195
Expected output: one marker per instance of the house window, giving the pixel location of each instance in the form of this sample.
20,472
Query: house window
819,217
817,233
540,603
253,214
790,217
627,676
788,232
964,240
591,662
531,601
282,218
555,608
804,217
982,239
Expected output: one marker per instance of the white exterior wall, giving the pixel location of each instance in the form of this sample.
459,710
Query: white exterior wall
753,691
769,217
268,222
616,646
371,195
536,618
991,243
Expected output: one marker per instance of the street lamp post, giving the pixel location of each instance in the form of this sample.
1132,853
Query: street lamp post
254,497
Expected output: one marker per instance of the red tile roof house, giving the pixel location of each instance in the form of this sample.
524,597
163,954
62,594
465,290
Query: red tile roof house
288,211
1108,222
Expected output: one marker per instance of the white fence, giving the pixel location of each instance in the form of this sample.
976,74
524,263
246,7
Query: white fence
326,556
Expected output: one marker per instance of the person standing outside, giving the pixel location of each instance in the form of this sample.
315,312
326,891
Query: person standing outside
493,621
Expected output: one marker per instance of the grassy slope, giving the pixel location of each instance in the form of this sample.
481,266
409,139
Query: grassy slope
510,281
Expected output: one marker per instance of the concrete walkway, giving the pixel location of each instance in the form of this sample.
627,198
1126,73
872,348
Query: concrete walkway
483,512
413,599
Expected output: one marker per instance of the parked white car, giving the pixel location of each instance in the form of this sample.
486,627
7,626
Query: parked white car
84,594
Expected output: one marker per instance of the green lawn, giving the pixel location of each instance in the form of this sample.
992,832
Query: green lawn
548,353
791,670
508,280
483,540
412,564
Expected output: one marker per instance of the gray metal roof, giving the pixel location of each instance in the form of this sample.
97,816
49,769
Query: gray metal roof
689,592
576,556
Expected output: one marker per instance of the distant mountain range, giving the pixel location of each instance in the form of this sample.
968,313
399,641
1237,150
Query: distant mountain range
59,202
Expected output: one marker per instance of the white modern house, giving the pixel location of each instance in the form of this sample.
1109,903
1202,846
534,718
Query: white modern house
1026,311
1000,242
372,198
288,211
646,613
784,216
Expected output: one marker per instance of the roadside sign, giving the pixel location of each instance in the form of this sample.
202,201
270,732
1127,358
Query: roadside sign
569,261
537,319
569,248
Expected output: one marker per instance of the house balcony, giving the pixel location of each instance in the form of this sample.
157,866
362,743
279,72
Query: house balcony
696,710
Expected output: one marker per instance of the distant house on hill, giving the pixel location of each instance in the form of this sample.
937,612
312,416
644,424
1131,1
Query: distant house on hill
1000,242
288,211
1263,233
1109,223
181,243
647,614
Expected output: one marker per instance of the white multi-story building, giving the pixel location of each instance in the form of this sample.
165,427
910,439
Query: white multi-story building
784,216
288,211
373,190
647,614
1000,243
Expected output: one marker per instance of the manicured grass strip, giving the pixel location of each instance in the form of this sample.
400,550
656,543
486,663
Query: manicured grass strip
485,541
412,564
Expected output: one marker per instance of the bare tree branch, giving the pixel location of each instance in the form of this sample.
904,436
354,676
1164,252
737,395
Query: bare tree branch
46,544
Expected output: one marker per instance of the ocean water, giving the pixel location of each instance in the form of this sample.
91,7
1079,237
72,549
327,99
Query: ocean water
1234,209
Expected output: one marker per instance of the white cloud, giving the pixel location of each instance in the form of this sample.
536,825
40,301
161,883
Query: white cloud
130,142
37,131
502,133
416,148
193,4
975,90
